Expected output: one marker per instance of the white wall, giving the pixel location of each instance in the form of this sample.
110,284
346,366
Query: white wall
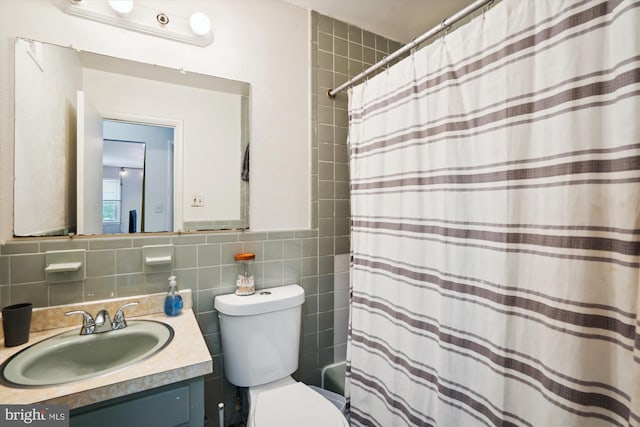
211,123
45,126
265,43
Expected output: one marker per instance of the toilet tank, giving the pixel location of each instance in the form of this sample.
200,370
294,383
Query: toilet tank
260,334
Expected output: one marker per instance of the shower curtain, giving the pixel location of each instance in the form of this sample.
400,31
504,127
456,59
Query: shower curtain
495,178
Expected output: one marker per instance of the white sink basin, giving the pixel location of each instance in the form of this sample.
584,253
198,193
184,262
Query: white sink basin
69,357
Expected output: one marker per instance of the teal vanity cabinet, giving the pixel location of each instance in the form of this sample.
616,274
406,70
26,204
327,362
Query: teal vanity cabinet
179,404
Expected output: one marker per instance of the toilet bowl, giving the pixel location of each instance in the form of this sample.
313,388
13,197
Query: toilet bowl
260,344
292,404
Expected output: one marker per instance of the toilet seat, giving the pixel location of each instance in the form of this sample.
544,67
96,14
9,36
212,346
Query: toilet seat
294,405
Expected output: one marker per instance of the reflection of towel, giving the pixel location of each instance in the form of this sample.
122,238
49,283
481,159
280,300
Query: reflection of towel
245,165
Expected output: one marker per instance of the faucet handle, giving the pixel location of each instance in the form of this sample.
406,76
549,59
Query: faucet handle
88,324
119,322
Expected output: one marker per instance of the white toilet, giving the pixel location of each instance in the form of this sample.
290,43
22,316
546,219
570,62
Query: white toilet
260,340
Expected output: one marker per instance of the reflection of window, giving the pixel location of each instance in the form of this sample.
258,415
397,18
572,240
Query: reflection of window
111,200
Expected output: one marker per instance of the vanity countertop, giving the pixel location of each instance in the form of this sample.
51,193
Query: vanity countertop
184,358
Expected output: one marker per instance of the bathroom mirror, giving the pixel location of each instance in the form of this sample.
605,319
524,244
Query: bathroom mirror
107,145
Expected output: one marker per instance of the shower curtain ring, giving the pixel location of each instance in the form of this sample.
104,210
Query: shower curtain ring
444,28
384,64
486,8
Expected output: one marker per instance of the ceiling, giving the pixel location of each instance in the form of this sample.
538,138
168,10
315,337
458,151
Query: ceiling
399,20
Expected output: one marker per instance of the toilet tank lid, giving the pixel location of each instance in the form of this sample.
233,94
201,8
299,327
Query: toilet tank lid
263,301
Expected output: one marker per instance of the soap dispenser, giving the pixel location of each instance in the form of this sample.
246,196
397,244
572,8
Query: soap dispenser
173,301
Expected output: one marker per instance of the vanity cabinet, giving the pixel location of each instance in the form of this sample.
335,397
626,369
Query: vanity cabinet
179,404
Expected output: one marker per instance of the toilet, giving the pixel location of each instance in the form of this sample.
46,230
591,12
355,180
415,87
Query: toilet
260,340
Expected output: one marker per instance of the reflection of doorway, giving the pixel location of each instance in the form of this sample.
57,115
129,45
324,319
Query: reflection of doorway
140,158
122,186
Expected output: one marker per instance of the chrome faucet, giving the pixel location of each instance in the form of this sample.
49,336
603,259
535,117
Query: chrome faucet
102,322
88,324
119,322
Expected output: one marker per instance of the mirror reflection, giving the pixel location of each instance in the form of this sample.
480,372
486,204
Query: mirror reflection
105,145
137,173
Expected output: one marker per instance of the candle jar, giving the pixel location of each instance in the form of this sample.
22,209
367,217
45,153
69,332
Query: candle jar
245,284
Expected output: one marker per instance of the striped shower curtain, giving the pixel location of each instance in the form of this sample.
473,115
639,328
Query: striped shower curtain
495,179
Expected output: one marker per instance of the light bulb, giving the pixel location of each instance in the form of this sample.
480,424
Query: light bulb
200,23
121,7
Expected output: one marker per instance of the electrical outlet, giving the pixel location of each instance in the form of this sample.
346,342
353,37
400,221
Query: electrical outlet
197,201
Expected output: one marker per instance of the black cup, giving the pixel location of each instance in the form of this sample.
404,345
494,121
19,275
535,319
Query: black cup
16,321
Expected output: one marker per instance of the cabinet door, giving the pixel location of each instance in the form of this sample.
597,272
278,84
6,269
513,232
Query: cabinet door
168,408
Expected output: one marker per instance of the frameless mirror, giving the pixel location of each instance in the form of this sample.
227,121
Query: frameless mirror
106,145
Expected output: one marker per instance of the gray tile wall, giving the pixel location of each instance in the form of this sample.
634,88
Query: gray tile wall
339,51
204,261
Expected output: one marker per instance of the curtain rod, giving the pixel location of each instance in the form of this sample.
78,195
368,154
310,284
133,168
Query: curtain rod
446,23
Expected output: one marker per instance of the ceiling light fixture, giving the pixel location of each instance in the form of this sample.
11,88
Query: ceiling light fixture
200,23
123,14
121,7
